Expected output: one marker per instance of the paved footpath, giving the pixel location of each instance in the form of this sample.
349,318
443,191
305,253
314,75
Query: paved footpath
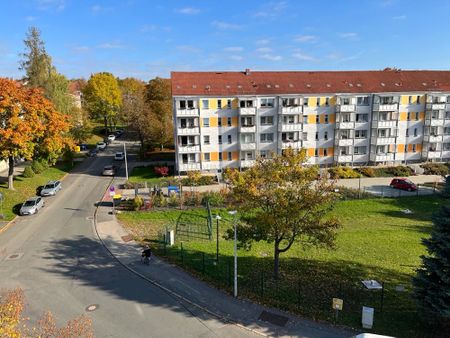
197,295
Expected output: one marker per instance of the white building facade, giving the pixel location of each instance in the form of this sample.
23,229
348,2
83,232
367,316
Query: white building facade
349,118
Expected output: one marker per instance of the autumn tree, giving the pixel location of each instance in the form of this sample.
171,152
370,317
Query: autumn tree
30,125
159,97
282,202
102,98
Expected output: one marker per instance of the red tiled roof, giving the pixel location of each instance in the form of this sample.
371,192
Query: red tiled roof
263,83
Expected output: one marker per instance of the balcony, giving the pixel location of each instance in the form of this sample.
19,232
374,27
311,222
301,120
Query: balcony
384,157
247,111
435,106
384,124
292,110
434,122
289,127
345,125
431,154
188,112
247,129
210,165
247,163
291,144
189,166
188,148
346,108
344,142
385,107
188,131
248,146
379,141
433,138
343,158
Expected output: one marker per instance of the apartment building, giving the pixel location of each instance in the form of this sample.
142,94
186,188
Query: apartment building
228,119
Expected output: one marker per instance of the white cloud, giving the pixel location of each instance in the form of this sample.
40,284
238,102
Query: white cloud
233,49
58,5
188,49
81,49
348,35
399,17
271,57
236,57
306,38
111,45
188,10
271,9
304,57
264,50
225,25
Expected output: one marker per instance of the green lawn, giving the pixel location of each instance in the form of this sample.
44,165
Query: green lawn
147,174
26,187
376,241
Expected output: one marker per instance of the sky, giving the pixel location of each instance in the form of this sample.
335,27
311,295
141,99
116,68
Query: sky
149,38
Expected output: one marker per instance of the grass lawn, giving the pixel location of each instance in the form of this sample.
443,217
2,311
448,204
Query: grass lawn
376,241
26,187
147,174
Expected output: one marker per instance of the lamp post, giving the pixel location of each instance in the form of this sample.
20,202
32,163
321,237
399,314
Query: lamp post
218,218
234,213
126,163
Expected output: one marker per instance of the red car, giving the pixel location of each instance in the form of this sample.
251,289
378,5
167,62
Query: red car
403,184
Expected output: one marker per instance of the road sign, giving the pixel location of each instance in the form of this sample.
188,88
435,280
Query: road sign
112,191
338,304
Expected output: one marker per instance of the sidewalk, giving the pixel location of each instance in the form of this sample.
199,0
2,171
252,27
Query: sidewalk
190,290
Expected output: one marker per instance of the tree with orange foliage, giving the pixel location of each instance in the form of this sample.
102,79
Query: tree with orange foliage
29,125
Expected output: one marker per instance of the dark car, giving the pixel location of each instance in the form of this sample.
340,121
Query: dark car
403,184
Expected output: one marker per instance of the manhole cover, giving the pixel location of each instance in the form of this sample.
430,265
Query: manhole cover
127,238
92,307
14,256
273,318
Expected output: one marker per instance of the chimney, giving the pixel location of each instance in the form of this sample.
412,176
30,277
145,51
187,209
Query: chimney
247,71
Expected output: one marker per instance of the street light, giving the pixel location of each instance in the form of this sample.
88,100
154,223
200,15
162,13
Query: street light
218,218
125,156
234,213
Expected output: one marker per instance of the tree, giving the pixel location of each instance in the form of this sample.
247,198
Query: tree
446,190
102,98
159,97
30,125
432,281
282,202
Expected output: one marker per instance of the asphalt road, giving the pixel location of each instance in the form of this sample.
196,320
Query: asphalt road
57,260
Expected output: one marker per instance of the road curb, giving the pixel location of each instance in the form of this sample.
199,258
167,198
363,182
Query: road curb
10,223
171,293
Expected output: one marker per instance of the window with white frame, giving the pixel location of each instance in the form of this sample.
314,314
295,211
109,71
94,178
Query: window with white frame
361,118
263,153
229,121
382,149
305,119
446,146
326,119
345,101
230,139
182,104
206,157
219,139
447,130
246,103
267,103
188,158
266,137
247,121
228,104
230,156
206,139
288,137
205,104
360,133
206,122
290,102
360,150
362,101
220,156
266,120
247,138
219,104
325,135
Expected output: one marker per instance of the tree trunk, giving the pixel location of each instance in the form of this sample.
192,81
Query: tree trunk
11,173
276,260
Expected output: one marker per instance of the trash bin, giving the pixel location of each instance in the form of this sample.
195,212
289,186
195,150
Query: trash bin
170,237
367,317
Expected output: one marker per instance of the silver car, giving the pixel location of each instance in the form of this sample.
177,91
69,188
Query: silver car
51,188
32,206
109,170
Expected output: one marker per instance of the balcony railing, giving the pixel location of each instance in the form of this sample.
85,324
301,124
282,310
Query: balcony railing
188,131
247,129
382,157
294,144
384,124
344,142
188,112
434,122
380,140
345,125
289,127
248,146
435,106
292,110
189,166
431,154
343,158
385,107
346,108
188,148
247,163
247,111
433,138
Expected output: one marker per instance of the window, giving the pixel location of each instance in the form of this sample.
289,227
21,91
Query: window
246,104
362,101
318,101
360,133
361,150
247,138
317,119
382,133
182,104
290,102
206,157
288,137
220,156
205,104
316,152
417,116
413,148
228,104
229,121
410,99
435,114
230,140
290,119
247,121
230,157
446,146
408,116
183,123
327,101
219,104
265,138
418,99
219,122
326,119
263,153
206,122
305,101
325,152
304,136
187,141
361,118
206,139
447,114
325,135
317,135
387,100
190,104
188,158
345,101
381,150
447,130
305,119
383,116
344,151
266,120
219,139
267,103
407,132
415,132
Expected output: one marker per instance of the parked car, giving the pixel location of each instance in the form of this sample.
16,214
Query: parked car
118,133
109,170
101,145
403,184
32,206
51,188
93,152
111,137
119,156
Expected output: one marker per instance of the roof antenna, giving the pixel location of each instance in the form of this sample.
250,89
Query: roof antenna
247,71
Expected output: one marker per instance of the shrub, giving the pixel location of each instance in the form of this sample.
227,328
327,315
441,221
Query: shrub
192,198
37,167
435,169
173,200
351,194
132,185
206,180
367,171
215,199
343,172
28,172
161,171
401,171
138,202
194,179
159,201
44,163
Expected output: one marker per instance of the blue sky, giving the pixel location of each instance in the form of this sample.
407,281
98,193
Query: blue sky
148,38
